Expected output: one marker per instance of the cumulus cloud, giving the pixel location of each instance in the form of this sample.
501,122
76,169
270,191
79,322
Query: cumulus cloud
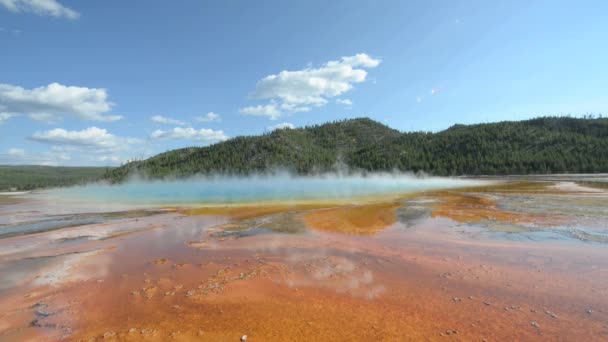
53,102
167,121
92,137
345,102
18,156
209,117
16,152
90,145
270,110
180,133
300,90
436,91
5,116
40,7
282,125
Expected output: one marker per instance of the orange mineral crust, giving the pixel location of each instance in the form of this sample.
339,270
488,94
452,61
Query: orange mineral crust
352,273
365,219
465,207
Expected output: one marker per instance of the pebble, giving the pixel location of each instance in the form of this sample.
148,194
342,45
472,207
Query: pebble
42,313
589,311
456,299
109,334
534,324
244,338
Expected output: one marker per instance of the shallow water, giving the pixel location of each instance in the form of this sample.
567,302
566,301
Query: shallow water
465,264
255,189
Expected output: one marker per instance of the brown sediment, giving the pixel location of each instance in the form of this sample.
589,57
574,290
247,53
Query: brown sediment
10,200
365,219
471,208
432,281
241,212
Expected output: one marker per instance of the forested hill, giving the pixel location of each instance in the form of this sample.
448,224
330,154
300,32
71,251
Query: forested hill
543,145
29,177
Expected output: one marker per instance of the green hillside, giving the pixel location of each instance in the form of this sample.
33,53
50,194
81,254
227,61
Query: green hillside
28,177
543,145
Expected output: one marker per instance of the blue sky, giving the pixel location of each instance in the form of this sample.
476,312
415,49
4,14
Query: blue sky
100,82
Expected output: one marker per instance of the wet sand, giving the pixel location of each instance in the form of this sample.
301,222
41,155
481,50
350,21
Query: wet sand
517,261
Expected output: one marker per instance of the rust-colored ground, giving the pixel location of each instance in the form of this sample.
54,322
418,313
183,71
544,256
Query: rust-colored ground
250,211
366,219
356,275
475,207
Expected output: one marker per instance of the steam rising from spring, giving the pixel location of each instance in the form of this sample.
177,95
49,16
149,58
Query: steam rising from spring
262,188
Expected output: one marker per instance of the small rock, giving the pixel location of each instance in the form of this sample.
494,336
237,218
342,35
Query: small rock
244,338
534,324
42,313
553,315
132,330
456,299
109,334
589,311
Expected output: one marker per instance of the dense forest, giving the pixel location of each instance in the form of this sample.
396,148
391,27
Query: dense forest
28,177
537,146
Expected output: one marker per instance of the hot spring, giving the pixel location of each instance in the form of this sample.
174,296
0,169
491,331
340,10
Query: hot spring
223,190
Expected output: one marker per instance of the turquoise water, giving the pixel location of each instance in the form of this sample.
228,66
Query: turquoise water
251,189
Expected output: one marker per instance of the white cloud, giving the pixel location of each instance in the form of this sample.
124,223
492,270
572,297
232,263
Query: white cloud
282,125
345,102
180,133
209,117
436,91
40,7
5,116
270,110
50,103
16,152
92,145
298,91
17,156
167,121
111,159
92,138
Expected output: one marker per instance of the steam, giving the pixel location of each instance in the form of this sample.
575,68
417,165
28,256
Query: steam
279,187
